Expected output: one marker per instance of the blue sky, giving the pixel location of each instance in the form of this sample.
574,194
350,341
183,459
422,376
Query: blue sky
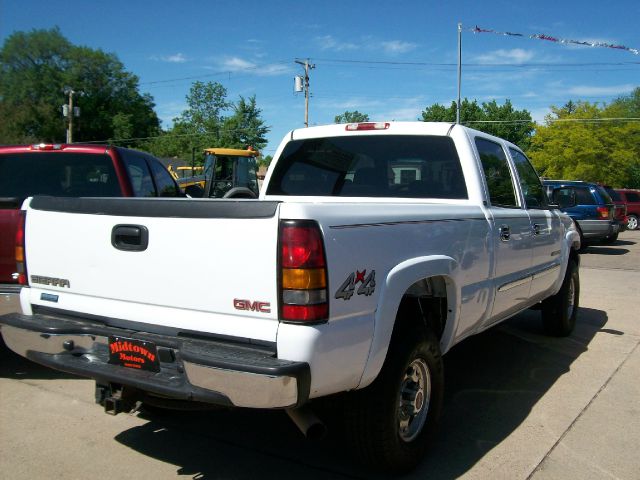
389,59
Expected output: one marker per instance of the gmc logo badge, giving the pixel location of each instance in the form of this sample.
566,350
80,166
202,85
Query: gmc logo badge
262,307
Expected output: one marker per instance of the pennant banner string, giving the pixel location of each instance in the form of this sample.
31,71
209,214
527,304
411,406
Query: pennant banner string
539,36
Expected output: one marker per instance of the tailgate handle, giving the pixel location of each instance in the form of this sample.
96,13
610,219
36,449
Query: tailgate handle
130,238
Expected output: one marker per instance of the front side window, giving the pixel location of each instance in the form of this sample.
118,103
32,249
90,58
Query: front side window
166,186
396,166
532,190
502,192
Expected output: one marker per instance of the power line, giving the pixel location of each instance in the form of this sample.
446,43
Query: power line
477,64
374,63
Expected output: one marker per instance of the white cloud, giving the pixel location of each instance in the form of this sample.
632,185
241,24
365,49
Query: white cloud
368,43
515,55
234,64
589,91
397,46
176,58
327,42
237,64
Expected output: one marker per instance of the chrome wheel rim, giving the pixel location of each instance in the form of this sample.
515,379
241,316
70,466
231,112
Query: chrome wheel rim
632,223
415,395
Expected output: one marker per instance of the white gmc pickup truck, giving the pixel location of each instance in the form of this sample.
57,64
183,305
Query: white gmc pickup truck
372,250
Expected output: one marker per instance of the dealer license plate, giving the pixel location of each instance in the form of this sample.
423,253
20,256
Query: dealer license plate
133,353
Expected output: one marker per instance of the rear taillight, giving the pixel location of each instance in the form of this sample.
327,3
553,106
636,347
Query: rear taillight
303,273
21,261
603,212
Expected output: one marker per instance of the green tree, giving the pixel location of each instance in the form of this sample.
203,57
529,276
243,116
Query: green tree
500,120
245,127
351,117
206,124
580,144
35,69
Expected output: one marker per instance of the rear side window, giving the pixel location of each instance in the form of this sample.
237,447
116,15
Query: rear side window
401,166
140,175
502,191
604,194
584,196
58,174
632,197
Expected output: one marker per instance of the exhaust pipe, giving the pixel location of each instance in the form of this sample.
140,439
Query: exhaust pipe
311,426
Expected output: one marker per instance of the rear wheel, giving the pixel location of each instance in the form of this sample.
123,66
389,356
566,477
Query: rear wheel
611,239
632,222
559,312
390,422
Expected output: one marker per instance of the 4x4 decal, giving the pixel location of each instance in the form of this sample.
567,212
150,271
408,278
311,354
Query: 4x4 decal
348,287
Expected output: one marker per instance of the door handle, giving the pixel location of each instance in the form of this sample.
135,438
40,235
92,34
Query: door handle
130,238
536,229
505,233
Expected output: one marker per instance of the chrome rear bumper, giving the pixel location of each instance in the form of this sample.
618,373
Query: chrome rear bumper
209,371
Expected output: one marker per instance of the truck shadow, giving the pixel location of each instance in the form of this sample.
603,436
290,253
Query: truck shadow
602,250
17,367
493,381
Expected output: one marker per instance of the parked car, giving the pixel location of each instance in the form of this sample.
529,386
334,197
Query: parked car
592,208
631,198
68,171
620,209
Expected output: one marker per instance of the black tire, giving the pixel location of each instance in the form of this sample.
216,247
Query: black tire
385,435
611,239
559,312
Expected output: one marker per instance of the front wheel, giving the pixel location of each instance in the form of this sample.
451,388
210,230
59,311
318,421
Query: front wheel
632,222
559,312
390,422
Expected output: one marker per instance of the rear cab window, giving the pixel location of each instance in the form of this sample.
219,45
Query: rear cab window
58,174
396,166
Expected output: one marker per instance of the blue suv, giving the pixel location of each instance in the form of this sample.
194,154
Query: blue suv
589,205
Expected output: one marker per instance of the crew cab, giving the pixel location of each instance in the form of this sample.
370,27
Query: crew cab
67,170
372,250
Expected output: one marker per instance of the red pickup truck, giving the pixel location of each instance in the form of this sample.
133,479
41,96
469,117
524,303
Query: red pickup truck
67,171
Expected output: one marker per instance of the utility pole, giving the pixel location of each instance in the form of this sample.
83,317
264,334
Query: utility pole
69,111
307,66
459,70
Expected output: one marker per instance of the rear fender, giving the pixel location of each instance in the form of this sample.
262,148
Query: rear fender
397,282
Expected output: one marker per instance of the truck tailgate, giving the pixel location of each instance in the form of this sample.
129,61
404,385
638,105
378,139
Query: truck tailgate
206,266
